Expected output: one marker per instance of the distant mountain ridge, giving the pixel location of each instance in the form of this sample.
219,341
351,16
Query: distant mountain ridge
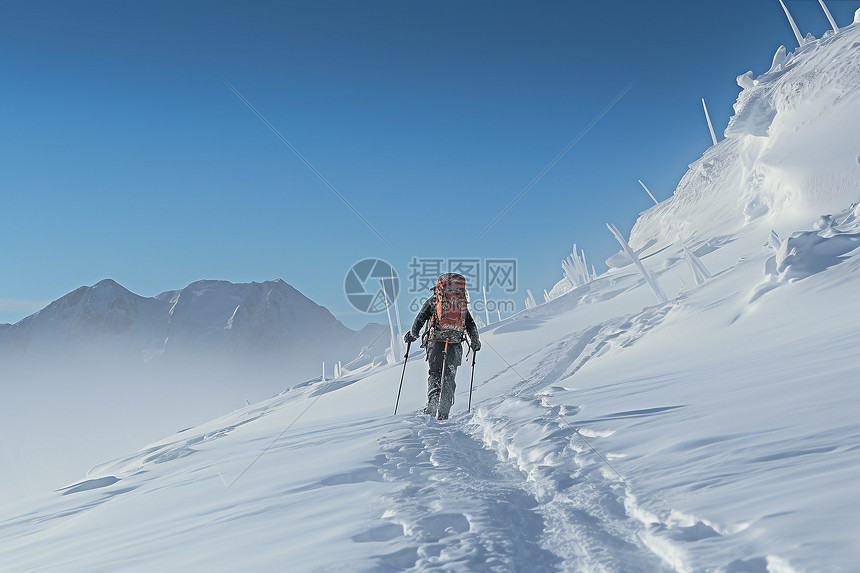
105,367
270,323
88,314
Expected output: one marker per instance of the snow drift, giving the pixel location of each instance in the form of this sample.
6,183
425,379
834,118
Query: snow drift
789,155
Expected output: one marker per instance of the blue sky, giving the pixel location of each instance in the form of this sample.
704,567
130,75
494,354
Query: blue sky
125,155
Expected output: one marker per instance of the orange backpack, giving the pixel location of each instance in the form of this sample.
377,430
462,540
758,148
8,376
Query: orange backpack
449,320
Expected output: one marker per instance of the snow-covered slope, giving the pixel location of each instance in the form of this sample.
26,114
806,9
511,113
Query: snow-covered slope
790,153
718,431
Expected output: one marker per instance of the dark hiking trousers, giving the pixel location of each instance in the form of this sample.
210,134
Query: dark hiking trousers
441,395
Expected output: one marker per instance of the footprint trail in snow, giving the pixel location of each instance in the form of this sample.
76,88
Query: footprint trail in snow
464,506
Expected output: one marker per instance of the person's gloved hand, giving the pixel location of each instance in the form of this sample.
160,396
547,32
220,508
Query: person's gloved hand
409,337
476,345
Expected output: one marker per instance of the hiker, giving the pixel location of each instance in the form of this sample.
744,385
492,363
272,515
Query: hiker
449,321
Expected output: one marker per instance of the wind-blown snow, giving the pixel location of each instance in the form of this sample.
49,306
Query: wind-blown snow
717,431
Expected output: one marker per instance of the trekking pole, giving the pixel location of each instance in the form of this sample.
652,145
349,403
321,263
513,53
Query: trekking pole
405,358
472,381
442,379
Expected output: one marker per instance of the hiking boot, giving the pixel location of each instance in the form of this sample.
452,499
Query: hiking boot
432,406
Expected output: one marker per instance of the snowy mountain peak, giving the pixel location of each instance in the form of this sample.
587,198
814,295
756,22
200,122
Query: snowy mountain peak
223,320
103,310
256,315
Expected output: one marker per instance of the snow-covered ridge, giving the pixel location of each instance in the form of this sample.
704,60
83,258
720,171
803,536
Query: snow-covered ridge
257,316
103,310
788,157
268,318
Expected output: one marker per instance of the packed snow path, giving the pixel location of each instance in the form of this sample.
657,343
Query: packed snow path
460,507
455,506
